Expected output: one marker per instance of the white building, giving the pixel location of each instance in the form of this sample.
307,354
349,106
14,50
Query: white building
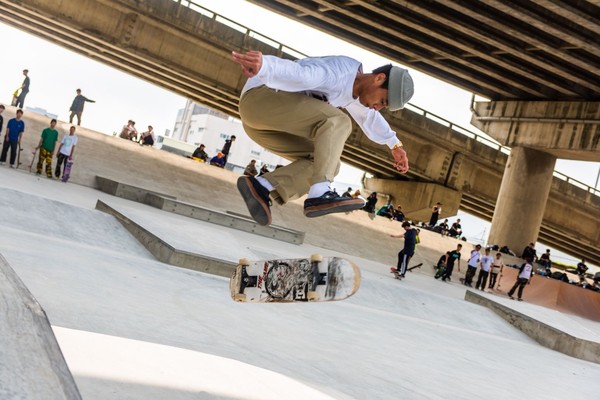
196,124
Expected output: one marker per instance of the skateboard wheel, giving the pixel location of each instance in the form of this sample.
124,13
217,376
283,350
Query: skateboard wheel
316,258
239,297
244,261
312,296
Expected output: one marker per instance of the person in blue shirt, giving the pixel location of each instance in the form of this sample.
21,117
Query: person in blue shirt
218,160
12,139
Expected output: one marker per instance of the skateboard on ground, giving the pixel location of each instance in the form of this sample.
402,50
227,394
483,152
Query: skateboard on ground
67,172
397,275
316,278
19,150
32,160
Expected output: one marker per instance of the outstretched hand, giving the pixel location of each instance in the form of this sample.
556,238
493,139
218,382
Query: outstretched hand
401,160
250,61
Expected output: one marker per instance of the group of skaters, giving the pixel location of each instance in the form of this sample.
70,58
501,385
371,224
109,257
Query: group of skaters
47,145
218,160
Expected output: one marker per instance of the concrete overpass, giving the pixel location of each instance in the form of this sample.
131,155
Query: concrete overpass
189,54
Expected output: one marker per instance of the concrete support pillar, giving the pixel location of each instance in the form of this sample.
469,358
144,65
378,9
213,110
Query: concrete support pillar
522,199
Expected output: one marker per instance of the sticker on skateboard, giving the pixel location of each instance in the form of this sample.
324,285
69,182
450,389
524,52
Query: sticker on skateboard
294,280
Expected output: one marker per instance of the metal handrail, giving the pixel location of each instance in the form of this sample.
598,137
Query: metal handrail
436,118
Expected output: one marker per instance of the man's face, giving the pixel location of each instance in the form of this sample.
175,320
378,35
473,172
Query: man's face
1,110
373,95
19,115
72,131
52,124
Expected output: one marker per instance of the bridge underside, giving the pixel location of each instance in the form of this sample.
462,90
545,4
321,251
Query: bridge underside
153,41
529,50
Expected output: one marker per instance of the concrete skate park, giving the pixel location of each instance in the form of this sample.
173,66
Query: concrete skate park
124,321
115,284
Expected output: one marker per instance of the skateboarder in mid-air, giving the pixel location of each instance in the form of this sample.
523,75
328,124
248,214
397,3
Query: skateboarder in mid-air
293,109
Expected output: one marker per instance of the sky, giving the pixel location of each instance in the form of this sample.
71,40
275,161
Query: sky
56,73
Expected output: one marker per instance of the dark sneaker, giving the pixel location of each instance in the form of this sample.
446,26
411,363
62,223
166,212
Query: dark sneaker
329,203
256,197
519,299
510,297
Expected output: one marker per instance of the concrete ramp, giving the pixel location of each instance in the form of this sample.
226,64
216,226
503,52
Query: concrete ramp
545,334
32,365
556,294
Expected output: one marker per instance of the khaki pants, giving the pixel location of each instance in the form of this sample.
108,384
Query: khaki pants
300,128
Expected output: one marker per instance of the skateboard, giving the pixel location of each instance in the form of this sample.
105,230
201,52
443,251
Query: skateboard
19,150
315,279
397,275
32,160
67,172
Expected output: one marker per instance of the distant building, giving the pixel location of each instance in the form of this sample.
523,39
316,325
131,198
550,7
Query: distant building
196,124
41,111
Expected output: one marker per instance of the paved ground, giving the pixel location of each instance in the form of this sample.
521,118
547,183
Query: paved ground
134,328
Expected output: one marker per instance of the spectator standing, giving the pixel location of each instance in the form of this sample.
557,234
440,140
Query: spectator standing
1,118
77,106
147,138
371,202
474,259
251,169
227,147
435,214
65,151
497,267
524,277
410,243
24,90
200,153
486,266
12,139
46,146
452,257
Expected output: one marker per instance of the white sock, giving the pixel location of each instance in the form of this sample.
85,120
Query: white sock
265,183
318,189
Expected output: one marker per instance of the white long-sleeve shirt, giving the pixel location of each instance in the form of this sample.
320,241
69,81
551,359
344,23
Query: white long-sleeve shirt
332,76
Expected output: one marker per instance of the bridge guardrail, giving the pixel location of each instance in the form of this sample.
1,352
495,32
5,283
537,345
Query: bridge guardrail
456,128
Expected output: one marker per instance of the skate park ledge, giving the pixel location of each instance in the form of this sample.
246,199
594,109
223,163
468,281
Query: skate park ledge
33,364
542,333
165,252
170,203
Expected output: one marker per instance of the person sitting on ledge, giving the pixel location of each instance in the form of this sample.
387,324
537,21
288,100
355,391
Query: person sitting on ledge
456,229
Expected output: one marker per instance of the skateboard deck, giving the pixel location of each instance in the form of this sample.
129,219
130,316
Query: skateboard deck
294,280
397,275
67,172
